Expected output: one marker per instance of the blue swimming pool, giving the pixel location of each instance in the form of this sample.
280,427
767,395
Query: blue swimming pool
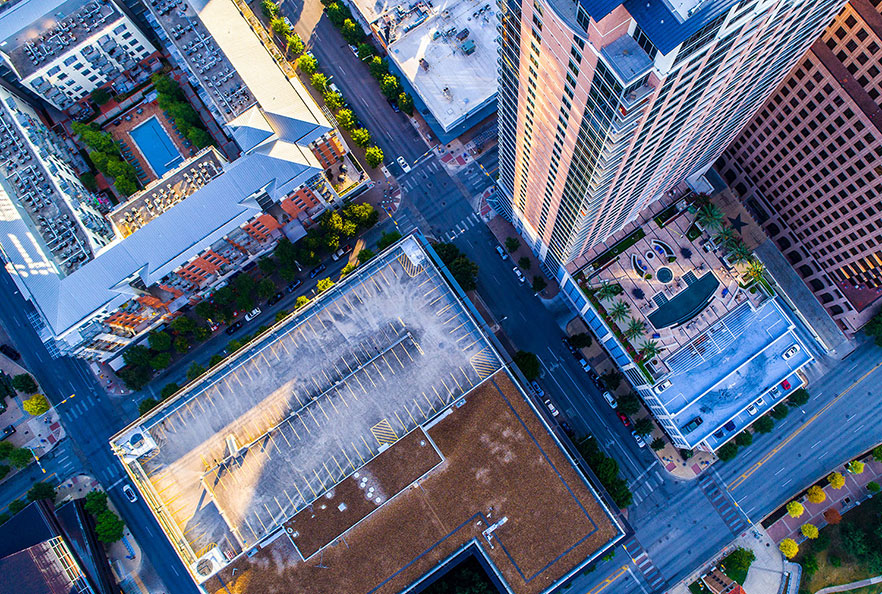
156,146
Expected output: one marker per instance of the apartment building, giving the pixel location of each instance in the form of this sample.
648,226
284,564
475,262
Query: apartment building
39,184
62,50
604,106
808,167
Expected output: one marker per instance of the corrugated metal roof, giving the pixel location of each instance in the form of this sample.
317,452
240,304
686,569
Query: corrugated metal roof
664,28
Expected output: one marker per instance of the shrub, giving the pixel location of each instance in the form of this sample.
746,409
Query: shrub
36,405
810,565
16,506
216,359
387,239
810,531
374,156
877,453
727,451
195,371
836,480
365,255
764,424
169,390
528,364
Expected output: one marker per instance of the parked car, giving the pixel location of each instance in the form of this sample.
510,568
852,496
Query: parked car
623,418
10,352
751,410
9,430
566,427
730,426
519,274
554,411
610,400
275,298
293,286
341,252
129,493
585,367
288,22
692,425
760,402
404,166
334,89
501,252
639,439
663,386
594,379
354,50
233,327
537,388
789,353
785,384
252,314
394,105
567,344
317,270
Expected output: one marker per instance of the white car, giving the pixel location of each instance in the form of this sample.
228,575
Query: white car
404,166
640,441
252,314
663,386
129,493
501,252
537,388
751,410
610,400
334,88
760,402
288,22
554,411
519,274
585,367
789,353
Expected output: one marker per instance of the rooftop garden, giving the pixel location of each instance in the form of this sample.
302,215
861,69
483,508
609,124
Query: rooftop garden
619,248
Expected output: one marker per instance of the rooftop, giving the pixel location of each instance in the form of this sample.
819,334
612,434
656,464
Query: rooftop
503,485
446,49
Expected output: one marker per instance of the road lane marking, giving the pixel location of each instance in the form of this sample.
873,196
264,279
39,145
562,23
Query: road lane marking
608,581
749,472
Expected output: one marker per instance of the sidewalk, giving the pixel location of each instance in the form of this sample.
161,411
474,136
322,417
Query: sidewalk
40,433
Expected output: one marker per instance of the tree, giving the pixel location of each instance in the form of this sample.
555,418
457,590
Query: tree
764,424
855,467
795,509
40,491
109,527
137,355
36,405
816,494
643,426
512,244
612,379
95,502
88,180
146,405
539,283
755,271
100,96
195,371
373,155
365,51
24,382
464,272
336,14
216,359
363,215
182,345
607,291
199,137
323,285
524,262
351,32
798,398
877,453
635,328
266,288
710,216
205,310
780,411
582,340
16,506
740,253
21,457
726,237
346,119
301,301
160,361
361,136
619,311
294,45
347,269
810,531
307,64
169,390
126,186
365,255
159,341
657,444
628,404
319,82
269,8
873,328
528,364
333,100
280,27
873,487
836,480
135,377
405,103
389,86
650,349
745,438
727,451
378,67
810,565
387,239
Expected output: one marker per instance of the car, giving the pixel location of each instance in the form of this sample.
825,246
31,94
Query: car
288,22
639,439
404,166
293,286
129,493
663,386
692,425
785,384
213,326
9,430
594,379
789,353
394,106
554,411
334,89
773,392
567,344
566,427
501,252
275,298
719,434
354,50
585,367
341,252
623,418
10,352
252,314
760,402
751,410
519,274
730,426
234,326
317,270
537,388
609,399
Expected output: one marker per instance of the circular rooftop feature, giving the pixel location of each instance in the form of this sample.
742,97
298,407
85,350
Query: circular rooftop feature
664,274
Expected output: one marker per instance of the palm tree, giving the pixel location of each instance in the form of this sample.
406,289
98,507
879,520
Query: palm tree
635,329
710,216
755,270
726,237
607,291
739,253
619,311
650,349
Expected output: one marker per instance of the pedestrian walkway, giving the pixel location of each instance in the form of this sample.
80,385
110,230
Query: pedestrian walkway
851,586
723,503
641,559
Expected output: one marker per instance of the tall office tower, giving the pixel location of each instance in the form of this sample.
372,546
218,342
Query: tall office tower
605,105
809,166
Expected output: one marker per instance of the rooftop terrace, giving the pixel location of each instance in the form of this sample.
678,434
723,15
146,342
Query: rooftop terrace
267,433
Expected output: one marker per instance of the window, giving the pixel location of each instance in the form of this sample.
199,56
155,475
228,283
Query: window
644,42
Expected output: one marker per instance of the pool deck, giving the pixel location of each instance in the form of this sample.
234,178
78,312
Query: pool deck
132,119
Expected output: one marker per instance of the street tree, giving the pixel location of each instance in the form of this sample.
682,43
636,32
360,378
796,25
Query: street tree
365,51
836,480
216,359
657,444
351,32
301,301
21,457
405,103
109,527
727,451
95,502
146,405
389,86
764,424
182,345
183,325
855,467
365,255
24,383
528,363
378,68
319,82
374,156
40,491
539,283
36,405
323,285
512,244
205,310
307,64
280,27
795,509
294,45
17,505
160,361
346,119
798,398
643,426
387,239
266,288
873,487
524,263
159,341
269,8
333,100
877,453
745,438
816,494
169,390
628,404
195,371
582,340
810,531
361,137
465,272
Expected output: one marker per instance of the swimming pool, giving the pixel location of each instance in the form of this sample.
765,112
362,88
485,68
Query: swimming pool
156,146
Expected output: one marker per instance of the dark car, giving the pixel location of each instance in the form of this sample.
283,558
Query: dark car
293,286
275,298
730,426
317,270
566,427
7,432
10,352
234,326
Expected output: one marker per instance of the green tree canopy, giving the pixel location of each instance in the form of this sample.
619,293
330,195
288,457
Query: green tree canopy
528,363
323,285
378,68
365,50
146,405
159,341
405,103
307,64
40,491
21,457
294,44
109,527
389,86
374,156
628,404
346,119
160,361
643,426
333,100
24,382
266,288
764,424
319,82
36,405
361,136
169,390
195,371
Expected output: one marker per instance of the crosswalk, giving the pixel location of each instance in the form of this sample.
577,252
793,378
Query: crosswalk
412,181
641,559
79,406
723,503
647,486
463,226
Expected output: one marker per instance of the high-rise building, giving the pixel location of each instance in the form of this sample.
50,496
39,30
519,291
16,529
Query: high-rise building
606,105
809,166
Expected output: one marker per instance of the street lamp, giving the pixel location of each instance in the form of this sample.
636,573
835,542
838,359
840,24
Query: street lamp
37,459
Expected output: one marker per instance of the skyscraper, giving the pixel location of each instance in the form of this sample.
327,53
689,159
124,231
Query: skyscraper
606,105
809,166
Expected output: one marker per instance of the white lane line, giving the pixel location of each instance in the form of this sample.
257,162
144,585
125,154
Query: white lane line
817,443
780,470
